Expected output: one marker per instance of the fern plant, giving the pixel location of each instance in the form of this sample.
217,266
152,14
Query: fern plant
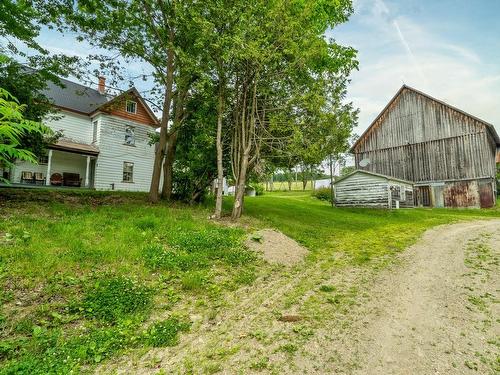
13,126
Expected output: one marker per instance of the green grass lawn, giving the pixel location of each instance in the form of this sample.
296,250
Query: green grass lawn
85,276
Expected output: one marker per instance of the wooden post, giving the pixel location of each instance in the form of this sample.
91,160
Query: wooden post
87,171
49,167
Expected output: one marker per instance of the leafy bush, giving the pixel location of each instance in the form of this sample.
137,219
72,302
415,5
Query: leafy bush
324,194
165,333
259,189
112,298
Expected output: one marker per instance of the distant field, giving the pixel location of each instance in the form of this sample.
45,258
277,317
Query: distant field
296,186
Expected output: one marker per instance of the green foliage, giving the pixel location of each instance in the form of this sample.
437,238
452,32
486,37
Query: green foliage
166,333
347,170
113,298
198,249
13,127
324,194
259,189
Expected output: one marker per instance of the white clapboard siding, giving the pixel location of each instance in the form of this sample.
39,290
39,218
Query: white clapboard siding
362,190
74,126
113,152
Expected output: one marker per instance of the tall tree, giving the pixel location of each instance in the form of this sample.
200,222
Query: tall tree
149,31
286,69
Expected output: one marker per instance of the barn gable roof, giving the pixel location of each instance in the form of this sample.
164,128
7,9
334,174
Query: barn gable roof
489,126
372,174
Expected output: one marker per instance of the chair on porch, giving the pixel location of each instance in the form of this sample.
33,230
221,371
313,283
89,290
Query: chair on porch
27,177
56,179
39,179
72,179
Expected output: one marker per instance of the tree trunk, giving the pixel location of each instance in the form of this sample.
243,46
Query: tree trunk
168,165
239,194
331,180
220,170
160,152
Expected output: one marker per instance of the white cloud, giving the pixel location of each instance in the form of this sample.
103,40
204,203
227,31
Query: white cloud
394,50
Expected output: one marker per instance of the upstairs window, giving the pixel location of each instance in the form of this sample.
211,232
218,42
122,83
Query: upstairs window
130,135
94,132
128,171
131,106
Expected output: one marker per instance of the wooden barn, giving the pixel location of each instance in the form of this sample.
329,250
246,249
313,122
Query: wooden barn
367,189
447,153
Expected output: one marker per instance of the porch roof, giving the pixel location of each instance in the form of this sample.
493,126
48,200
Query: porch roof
77,148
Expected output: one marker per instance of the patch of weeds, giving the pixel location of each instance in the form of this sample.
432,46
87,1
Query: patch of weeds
111,298
288,348
257,237
52,352
303,331
166,333
327,288
261,364
194,280
212,368
24,326
245,276
471,365
198,249
362,257
146,223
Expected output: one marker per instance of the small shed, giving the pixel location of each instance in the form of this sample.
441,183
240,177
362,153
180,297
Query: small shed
368,189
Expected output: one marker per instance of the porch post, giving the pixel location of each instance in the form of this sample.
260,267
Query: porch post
49,166
87,170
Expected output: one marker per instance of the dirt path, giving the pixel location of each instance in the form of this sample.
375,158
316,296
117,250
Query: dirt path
436,314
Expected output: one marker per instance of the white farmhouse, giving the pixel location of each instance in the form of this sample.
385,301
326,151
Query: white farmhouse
104,143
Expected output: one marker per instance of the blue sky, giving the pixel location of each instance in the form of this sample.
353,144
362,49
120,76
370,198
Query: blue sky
449,49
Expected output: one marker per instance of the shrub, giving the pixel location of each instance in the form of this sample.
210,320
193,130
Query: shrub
165,333
324,194
111,298
259,189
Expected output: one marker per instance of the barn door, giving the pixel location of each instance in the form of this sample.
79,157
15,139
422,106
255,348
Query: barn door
423,196
438,196
486,194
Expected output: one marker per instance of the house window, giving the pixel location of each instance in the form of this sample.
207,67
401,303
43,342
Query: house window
94,132
131,106
130,135
43,159
128,171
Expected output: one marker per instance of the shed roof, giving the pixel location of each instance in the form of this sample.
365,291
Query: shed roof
373,174
489,126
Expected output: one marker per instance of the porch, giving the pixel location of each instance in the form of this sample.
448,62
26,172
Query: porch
67,164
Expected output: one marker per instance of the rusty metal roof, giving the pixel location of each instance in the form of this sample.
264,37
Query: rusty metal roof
489,126
70,146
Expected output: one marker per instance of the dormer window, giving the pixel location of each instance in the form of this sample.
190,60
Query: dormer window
130,135
131,106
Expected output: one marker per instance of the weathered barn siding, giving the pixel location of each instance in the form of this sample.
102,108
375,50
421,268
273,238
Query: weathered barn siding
363,189
421,139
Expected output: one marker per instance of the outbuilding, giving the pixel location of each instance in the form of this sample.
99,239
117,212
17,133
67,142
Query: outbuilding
368,189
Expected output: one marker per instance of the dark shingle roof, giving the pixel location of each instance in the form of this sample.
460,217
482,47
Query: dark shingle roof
75,96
